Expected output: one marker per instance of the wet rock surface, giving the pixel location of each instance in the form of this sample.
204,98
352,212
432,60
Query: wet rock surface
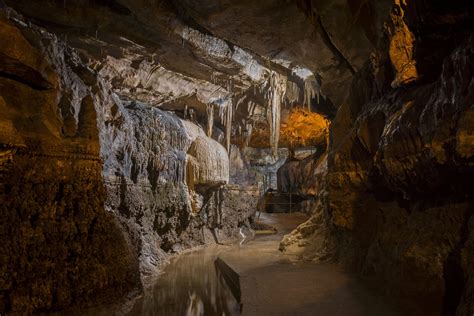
94,188
59,246
142,129
397,203
267,282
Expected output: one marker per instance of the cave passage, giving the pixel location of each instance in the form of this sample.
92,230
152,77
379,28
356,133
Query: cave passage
205,157
253,278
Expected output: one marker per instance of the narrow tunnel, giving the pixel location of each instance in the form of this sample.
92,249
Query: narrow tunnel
272,157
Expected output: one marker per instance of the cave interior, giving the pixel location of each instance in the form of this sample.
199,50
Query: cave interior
210,157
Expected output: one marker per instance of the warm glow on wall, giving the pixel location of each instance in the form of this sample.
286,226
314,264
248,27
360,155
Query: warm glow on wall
304,128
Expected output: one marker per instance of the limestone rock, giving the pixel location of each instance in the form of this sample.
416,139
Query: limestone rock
397,202
210,164
59,247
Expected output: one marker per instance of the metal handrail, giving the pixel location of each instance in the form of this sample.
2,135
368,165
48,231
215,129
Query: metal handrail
283,193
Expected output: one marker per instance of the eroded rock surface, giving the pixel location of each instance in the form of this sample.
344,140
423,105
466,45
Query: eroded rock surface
102,182
222,65
95,189
59,246
165,179
398,203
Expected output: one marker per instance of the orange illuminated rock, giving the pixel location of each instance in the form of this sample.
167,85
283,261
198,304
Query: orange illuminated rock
299,128
401,48
304,128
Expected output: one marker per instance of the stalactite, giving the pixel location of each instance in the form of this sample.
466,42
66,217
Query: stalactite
228,126
275,96
210,119
292,92
226,113
311,89
247,134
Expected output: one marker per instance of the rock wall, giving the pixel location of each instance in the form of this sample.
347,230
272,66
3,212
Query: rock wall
394,202
399,209
165,180
409,205
59,247
303,177
96,191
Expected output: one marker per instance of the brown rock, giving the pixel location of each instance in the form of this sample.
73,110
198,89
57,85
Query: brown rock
59,247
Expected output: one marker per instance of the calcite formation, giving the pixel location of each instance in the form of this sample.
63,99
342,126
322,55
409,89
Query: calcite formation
95,189
59,246
131,130
160,172
237,84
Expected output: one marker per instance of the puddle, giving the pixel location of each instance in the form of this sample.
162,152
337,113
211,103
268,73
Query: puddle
189,285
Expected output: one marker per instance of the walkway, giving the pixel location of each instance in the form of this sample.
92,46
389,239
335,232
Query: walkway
269,283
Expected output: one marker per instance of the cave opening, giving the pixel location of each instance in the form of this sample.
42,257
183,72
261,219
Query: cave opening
185,157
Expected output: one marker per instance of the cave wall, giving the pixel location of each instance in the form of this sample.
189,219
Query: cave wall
96,191
398,206
166,182
59,246
393,203
303,177
398,189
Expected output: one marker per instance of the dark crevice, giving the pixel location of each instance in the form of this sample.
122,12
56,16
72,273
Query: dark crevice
32,85
114,6
328,41
182,12
453,274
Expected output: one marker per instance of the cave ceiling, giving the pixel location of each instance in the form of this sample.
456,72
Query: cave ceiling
199,56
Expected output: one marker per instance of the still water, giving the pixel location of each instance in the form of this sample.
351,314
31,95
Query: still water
189,285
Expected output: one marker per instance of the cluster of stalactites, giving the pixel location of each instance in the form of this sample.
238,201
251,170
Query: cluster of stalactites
275,97
226,114
277,90
292,92
312,89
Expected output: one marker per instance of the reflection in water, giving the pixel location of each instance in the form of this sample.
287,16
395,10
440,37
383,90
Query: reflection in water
190,285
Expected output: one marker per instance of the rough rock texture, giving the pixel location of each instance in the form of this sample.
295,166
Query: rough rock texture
224,65
164,180
409,203
58,245
164,177
303,177
305,180
394,202
399,206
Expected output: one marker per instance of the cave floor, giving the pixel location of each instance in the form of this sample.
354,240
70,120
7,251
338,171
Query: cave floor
272,283
269,282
